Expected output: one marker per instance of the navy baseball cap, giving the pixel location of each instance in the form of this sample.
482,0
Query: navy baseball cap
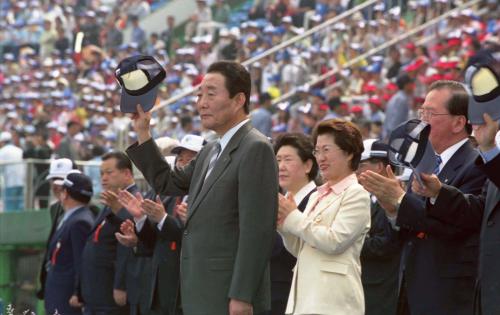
374,149
139,77
78,184
409,146
483,86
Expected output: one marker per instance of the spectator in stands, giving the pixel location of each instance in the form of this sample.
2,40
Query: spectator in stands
221,11
330,230
65,247
261,116
137,8
36,147
394,64
62,43
138,34
168,34
13,173
155,44
47,40
399,105
114,36
69,146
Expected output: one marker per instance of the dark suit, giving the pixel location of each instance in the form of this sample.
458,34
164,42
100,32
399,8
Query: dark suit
478,212
229,231
56,212
64,261
439,261
282,263
105,262
380,264
164,246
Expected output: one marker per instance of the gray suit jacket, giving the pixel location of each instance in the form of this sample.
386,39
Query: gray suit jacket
228,235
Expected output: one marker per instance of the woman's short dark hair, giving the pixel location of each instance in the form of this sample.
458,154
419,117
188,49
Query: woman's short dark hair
345,135
237,79
304,146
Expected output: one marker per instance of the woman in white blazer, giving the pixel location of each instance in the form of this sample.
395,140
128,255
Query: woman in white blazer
328,236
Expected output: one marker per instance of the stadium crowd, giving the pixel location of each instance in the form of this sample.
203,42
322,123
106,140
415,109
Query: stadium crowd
61,102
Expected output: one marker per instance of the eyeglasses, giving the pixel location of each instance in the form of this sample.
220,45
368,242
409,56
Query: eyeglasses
327,149
426,114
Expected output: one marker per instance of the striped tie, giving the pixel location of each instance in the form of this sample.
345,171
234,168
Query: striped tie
438,163
215,155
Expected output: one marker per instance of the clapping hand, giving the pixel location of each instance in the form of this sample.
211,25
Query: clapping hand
431,187
131,203
286,206
154,209
387,189
181,211
127,237
110,199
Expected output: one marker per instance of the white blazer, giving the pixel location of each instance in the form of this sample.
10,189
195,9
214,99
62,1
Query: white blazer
327,244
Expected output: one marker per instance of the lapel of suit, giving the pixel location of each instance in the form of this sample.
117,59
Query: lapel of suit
219,167
303,204
103,214
58,232
193,193
458,159
325,203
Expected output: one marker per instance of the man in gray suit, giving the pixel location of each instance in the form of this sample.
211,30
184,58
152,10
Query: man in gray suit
233,190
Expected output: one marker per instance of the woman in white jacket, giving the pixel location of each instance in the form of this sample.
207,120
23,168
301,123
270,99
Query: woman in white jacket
328,236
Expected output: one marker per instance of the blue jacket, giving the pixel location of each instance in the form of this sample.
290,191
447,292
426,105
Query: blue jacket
64,259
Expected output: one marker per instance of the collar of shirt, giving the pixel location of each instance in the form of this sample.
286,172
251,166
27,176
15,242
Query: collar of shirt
229,134
449,152
302,193
129,186
68,213
339,187
491,154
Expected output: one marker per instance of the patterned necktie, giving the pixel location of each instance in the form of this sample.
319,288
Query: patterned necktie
215,155
438,163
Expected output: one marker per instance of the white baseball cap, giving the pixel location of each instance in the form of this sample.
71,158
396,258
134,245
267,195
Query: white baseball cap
60,168
190,142
5,136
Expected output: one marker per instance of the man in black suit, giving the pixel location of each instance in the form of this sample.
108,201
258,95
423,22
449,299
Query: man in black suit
381,251
439,261
475,212
65,247
159,227
107,264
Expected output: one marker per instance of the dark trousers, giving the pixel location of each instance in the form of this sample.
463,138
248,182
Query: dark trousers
477,300
106,311
403,307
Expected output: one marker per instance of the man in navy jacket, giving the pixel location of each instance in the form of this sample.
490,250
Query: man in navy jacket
63,263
